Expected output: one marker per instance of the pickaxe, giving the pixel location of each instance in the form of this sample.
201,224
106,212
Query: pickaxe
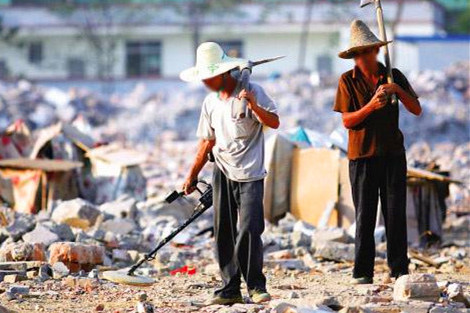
383,37
244,78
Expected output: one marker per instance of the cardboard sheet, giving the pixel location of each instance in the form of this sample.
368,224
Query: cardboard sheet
346,205
315,181
25,187
278,160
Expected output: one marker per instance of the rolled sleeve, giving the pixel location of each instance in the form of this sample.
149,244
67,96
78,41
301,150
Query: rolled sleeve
343,100
403,82
204,129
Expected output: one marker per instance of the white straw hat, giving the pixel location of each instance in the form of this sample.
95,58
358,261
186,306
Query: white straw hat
361,39
211,61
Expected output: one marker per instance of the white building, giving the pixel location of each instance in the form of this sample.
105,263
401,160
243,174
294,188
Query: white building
150,41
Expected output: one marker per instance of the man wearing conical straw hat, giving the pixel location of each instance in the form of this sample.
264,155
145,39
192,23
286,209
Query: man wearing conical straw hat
237,144
376,153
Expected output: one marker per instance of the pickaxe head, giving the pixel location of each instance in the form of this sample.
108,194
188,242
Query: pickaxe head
366,2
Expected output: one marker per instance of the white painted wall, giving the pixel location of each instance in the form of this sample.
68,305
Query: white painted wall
438,55
178,54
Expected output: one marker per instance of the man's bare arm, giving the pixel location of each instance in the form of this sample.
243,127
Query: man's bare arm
410,102
265,117
204,147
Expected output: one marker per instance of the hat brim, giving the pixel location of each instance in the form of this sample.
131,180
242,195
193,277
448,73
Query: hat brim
194,73
351,52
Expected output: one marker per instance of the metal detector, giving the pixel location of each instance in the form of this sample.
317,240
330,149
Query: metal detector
128,277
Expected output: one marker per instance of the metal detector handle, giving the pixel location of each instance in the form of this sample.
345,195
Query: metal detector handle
205,202
242,110
383,37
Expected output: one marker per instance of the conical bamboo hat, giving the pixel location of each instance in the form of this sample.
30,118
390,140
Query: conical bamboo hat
362,38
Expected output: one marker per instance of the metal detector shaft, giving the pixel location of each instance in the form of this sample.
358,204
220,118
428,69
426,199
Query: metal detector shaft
197,212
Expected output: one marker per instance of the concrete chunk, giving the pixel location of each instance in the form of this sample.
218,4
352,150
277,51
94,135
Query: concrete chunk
335,251
121,208
416,286
76,213
59,270
120,226
321,235
42,235
22,251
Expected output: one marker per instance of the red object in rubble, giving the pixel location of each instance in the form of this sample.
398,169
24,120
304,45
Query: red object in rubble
189,270
6,140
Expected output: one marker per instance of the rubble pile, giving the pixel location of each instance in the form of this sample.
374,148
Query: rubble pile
143,115
43,106
69,254
302,101
60,253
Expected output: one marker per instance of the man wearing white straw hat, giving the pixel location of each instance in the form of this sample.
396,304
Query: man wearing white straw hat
377,162
237,145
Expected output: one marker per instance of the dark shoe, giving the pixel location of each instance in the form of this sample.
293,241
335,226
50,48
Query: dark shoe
218,299
260,296
362,280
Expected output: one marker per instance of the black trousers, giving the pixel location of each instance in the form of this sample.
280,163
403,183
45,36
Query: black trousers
239,251
371,178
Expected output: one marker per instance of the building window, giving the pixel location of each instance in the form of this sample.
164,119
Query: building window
76,68
143,58
324,65
35,52
3,69
233,48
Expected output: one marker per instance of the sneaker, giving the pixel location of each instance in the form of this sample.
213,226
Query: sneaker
260,296
218,299
362,280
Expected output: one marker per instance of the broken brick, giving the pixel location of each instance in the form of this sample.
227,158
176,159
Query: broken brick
76,256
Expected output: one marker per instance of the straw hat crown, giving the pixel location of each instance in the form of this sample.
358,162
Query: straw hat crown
211,61
361,39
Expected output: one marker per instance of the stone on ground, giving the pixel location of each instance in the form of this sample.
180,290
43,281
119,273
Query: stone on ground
335,251
59,270
121,208
22,224
22,251
120,226
330,234
416,286
41,234
76,213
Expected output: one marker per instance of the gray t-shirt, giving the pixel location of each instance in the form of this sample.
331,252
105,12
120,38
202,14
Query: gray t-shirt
239,142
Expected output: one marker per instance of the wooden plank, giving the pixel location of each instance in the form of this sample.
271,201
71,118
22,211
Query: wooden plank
113,154
416,255
40,164
21,265
315,180
420,173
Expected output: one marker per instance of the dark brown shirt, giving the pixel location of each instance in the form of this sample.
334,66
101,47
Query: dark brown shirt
378,134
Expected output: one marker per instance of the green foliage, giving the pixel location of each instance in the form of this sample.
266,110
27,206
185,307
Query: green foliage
460,22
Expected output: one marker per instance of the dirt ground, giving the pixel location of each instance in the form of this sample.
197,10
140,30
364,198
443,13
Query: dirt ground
188,293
